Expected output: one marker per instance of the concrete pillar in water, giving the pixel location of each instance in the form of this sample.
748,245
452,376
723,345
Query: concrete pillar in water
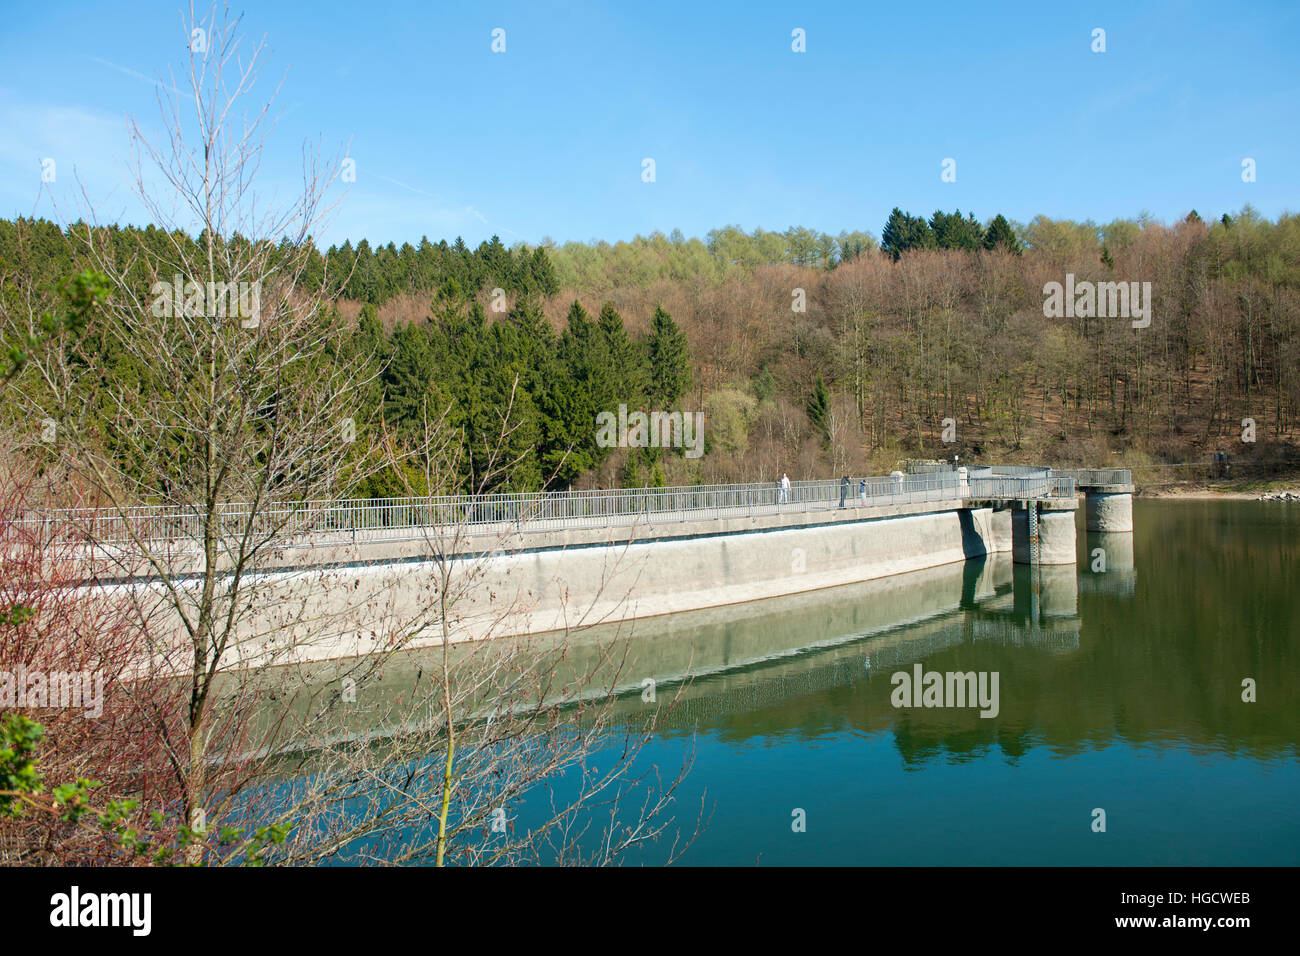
1109,508
1056,535
1000,522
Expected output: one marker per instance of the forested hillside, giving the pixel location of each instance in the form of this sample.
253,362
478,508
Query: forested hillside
808,353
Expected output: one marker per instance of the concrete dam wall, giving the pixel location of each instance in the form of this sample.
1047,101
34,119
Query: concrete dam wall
315,600
360,600
665,575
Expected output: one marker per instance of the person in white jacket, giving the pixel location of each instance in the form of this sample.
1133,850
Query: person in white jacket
785,489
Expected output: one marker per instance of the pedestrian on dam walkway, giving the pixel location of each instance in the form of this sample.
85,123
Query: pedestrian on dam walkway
844,490
783,495
862,491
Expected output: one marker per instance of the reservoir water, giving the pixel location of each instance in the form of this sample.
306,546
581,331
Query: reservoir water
1120,689
1120,686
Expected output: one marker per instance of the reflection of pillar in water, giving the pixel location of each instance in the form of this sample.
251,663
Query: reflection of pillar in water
1108,566
1058,591
1045,591
1001,566
1024,593
1034,585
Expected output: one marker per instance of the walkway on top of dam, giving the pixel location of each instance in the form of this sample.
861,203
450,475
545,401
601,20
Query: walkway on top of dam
562,518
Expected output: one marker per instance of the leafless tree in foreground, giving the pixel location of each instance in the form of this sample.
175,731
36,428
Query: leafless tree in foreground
490,731
209,379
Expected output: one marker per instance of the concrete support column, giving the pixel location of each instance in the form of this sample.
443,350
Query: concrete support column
1109,510
1001,528
1056,534
1020,534
1056,537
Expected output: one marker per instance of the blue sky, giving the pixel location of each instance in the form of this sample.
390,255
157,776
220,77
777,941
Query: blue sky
548,138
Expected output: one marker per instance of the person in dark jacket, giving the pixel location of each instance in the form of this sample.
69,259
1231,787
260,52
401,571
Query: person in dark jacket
844,490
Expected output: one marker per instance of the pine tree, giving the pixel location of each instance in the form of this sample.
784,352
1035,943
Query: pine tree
819,406
951,231
1001,234
627,363
903,231
893,238
670,362
409,380
541,273
583,390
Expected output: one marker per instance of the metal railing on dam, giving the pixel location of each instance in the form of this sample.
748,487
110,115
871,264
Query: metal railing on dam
405,519
1082,477
1096,477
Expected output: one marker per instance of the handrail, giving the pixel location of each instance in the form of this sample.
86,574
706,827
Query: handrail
1092,477
388,519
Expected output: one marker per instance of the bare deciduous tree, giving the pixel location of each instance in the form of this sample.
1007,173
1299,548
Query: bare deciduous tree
213,384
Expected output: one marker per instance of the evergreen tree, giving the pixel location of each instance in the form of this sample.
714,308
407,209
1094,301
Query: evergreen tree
496,264
627,363
819,406
904,231
409,381
1001,234
584,390
669,359
893,238
361,285
951,231
542,274
368,340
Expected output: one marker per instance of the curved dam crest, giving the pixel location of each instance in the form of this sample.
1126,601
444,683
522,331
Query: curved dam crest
373,590
556,581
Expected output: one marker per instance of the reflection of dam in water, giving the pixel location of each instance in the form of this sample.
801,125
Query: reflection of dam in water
921,614
1001,603
744,657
